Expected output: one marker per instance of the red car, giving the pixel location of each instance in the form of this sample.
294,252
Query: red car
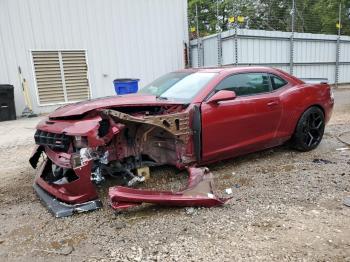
188,119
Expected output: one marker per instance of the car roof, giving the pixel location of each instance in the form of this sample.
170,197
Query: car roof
229,69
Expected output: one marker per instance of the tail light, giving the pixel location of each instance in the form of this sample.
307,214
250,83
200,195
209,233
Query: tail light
331,94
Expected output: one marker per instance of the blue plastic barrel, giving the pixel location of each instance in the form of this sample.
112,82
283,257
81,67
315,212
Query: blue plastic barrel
124,86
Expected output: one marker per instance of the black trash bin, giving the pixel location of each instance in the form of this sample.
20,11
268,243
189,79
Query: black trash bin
7,103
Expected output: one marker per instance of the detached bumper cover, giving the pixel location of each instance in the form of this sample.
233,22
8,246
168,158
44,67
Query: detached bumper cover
60,209
200,192
64,200
78,191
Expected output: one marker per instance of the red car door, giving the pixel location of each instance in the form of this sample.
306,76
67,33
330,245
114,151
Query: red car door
245,124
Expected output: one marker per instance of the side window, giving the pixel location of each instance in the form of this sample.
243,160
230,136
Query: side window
277,82
246,84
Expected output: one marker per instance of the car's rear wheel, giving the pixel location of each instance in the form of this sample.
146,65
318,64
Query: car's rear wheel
309,131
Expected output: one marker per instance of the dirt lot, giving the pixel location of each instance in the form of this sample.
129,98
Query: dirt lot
285,207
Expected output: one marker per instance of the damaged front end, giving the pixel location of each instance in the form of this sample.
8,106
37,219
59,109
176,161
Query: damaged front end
81,152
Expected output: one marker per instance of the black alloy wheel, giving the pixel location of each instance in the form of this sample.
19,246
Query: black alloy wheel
309,131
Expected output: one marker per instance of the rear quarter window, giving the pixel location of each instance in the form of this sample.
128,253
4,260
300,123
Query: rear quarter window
277,82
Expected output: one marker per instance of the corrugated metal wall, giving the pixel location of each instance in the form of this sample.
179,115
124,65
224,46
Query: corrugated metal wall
314,54
123,38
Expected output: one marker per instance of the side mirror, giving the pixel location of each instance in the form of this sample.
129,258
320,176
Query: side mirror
222,95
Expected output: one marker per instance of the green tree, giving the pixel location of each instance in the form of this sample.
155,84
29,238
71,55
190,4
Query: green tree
326,12
313,16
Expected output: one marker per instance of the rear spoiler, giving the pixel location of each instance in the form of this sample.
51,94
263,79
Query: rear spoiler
315,80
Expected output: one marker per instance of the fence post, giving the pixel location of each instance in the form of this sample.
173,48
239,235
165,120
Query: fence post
218,35
199,52
291,50
202,53
198,40
291,55
219,49
236,46
337,55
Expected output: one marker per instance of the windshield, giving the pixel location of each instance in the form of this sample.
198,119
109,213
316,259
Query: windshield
182,86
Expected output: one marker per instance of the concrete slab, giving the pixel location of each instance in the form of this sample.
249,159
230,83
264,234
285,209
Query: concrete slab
18,132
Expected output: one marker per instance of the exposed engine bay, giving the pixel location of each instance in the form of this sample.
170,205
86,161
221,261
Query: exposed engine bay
82,151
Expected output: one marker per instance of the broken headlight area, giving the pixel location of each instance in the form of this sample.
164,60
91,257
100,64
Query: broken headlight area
103,166
80,141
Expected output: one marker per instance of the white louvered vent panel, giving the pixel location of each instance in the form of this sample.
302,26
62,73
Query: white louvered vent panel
48,77
75,75
61,76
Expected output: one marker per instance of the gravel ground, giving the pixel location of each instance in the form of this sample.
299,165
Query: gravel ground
286,207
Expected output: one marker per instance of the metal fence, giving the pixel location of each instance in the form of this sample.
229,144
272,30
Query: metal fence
304,55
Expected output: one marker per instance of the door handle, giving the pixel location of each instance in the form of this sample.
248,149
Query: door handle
272,103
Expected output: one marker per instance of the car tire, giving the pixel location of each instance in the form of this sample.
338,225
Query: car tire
309,130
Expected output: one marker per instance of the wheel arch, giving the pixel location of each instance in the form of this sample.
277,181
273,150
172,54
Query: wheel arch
302,112
319,106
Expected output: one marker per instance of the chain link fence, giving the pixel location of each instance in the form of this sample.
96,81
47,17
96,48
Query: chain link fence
290,38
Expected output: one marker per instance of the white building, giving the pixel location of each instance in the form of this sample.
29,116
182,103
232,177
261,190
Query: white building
70,50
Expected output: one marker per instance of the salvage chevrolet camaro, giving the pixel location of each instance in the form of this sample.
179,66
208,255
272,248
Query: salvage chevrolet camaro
187,119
